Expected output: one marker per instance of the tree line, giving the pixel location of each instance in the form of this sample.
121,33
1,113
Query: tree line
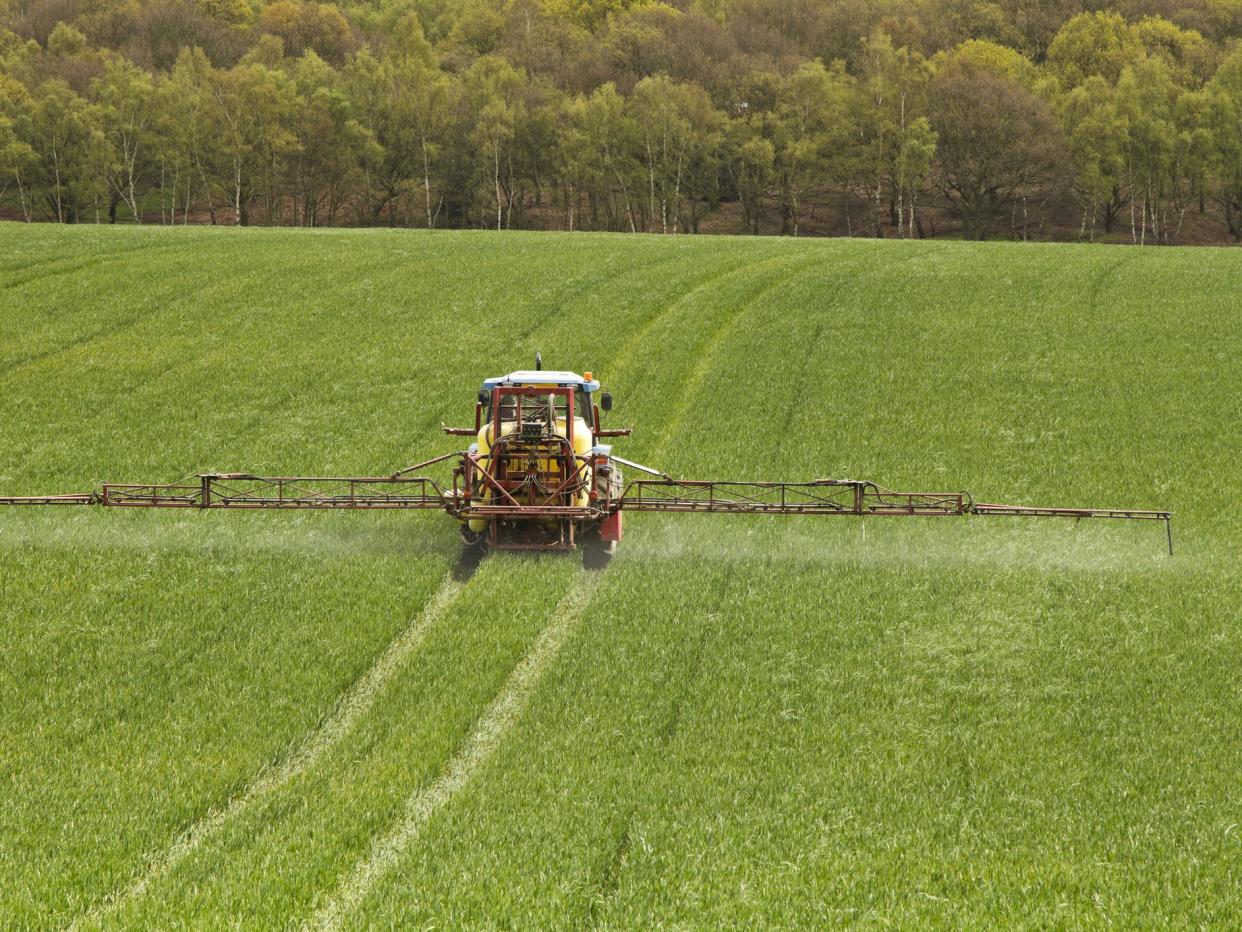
755,116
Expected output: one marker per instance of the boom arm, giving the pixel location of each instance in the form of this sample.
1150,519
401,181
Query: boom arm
840,497
664,494
241,490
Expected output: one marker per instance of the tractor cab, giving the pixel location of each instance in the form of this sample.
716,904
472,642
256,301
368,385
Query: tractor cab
534,403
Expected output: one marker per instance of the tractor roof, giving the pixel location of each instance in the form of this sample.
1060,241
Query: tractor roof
542,377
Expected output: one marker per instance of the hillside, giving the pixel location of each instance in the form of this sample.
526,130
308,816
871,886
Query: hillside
274,719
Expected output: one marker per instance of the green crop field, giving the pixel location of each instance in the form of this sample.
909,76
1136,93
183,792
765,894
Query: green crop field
295,719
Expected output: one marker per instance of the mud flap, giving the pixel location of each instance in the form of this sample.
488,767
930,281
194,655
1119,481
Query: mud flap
610,527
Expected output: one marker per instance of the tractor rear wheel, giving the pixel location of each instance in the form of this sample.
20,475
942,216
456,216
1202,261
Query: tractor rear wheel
473,550
596,553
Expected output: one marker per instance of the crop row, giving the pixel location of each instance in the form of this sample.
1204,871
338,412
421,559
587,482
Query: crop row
811,721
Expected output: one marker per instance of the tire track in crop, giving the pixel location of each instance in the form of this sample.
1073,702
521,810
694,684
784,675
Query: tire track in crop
644,269
831,302
610,873
493,724
556,298
132,321
110,328
706,358
430,423
134,389
704,364
635,341
46,268
113,327
1097,285
688,663
350,707
432,420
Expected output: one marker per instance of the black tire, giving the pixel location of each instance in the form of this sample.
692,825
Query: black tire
473,550
596,553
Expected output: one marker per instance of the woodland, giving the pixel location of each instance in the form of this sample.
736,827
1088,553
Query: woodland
878,118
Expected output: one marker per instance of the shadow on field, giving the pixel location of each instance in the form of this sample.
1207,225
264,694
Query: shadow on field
467,563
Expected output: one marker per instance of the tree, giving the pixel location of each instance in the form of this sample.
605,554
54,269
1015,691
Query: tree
595,146
1165,148
675,125
253,105
578,158
811,131
309,25
1095,134
184,136
494,90
331,144
893,139
1224,123
1188,56
998,145
126,96
750,161
981,55
16,127
61,127
1100,43
591,13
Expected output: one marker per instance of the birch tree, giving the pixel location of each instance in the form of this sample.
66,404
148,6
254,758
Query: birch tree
252,104
494,87
891,131
126,97
673,122
16,154
1095,134
1224,122
811,132
60,130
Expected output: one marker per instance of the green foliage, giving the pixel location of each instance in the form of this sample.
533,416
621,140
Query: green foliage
230,12
1090,44
1000,146
810,130
676,129
982,55
1096,135
1189,57
893,133
65,41
1224,120
590,13
481,114
318,27
16,126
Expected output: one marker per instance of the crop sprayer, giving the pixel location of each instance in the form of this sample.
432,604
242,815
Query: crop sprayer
538,477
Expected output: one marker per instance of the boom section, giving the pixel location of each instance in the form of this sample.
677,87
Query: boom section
244,491
821,497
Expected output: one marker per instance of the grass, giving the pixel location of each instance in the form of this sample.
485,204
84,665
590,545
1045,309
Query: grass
809,722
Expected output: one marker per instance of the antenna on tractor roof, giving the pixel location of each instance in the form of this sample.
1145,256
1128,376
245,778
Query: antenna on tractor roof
539,362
